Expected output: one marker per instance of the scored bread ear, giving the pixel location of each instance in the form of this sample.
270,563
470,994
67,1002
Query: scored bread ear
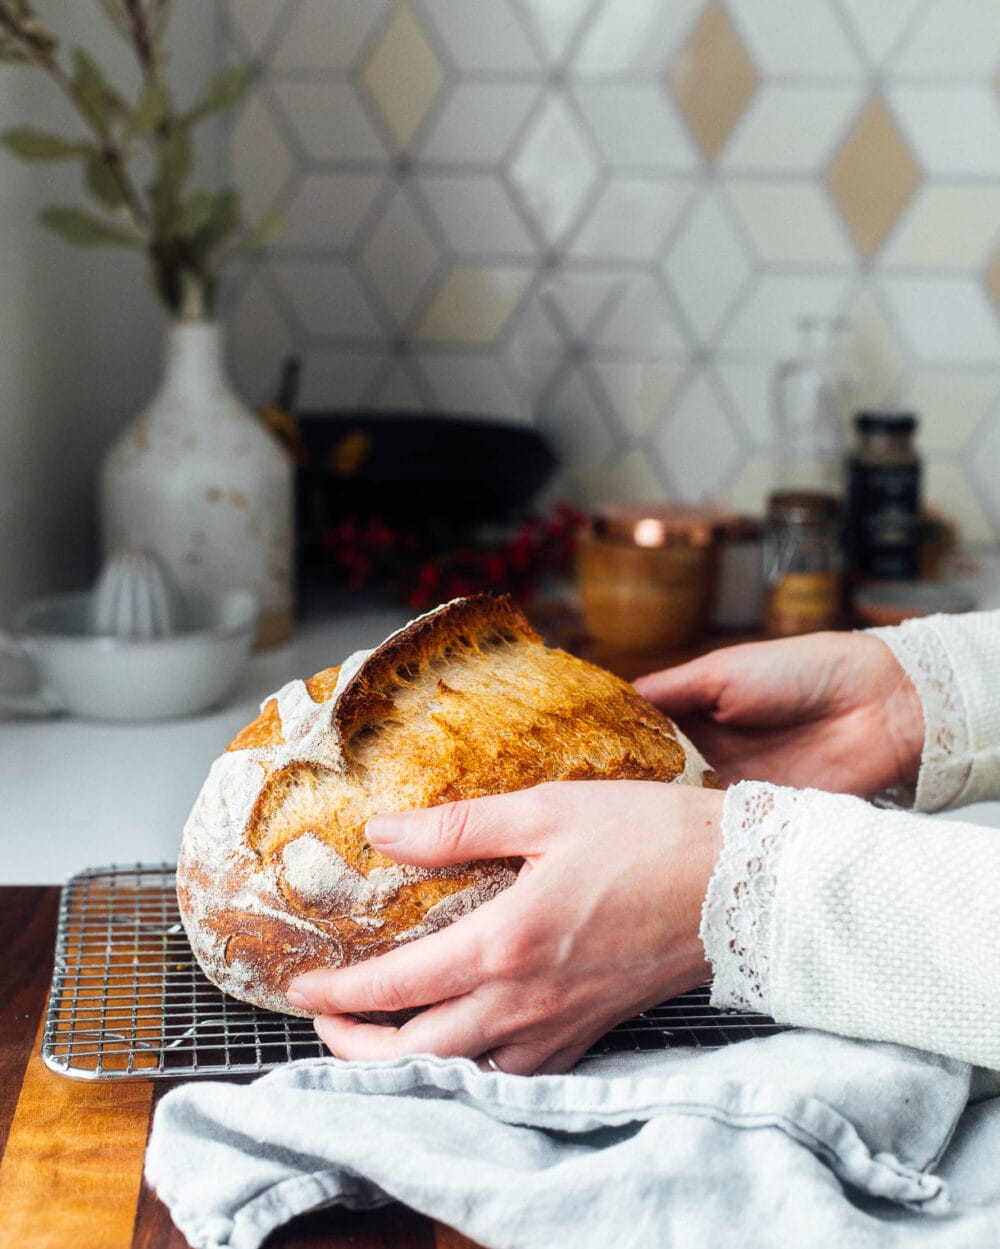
276,875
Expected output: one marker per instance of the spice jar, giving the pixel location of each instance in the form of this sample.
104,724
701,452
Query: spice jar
883,499
647,574
802,563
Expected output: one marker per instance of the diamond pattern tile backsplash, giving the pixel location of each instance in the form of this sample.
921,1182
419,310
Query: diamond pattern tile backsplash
607,216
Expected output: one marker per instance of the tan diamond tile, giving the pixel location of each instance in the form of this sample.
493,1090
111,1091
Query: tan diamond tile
991,277
713,80
403,74
873,176
473,305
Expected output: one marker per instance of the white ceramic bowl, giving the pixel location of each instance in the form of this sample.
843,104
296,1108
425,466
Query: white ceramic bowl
111,678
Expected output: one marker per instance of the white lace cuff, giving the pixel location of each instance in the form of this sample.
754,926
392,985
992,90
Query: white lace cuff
946,758
736,917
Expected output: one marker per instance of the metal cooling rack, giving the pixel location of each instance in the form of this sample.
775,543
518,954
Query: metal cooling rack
129,1001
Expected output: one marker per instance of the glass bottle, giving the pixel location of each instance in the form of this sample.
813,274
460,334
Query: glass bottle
808,397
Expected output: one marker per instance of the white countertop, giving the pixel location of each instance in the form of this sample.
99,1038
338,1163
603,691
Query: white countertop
84,793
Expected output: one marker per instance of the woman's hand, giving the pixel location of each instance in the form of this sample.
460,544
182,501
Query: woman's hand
601,923
830,710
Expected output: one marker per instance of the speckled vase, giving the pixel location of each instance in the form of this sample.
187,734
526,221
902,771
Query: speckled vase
197,478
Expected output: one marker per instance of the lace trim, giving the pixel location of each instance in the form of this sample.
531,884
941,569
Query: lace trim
737,915
946,758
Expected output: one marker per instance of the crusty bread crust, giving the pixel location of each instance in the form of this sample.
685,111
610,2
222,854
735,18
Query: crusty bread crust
275,875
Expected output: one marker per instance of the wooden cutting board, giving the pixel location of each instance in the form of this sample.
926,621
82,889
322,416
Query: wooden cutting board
72,1151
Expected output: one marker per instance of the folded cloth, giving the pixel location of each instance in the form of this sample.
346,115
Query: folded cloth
797,1139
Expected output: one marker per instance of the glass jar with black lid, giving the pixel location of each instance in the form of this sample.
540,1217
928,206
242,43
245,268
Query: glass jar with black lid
883,497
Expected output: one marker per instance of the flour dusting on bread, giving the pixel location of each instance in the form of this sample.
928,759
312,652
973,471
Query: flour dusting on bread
275,874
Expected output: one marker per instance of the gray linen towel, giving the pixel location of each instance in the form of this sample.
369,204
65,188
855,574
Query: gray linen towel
799,1139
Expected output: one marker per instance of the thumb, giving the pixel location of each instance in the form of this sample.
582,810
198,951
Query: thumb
477,828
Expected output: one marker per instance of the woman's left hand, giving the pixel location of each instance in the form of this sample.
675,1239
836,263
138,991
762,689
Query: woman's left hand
601,923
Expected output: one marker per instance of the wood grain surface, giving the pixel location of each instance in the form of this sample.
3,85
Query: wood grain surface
72,1151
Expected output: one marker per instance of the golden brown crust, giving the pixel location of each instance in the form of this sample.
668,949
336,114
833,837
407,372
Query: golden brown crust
276,876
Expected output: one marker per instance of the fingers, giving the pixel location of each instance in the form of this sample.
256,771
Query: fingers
481,828
690,687
441,965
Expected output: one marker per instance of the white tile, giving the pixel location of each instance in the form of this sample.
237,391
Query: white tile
476,215
791,223
881,25
952,129
639,391
791,128
631,219
399,393
336,379
556,22
947,490
479,121
951,405
572,300
754,480
707,264
634,37
260,162
554,169
945,227
628,478
327,36
636,124
493,39
801,37
329,209
945,320
983,465
750,388
330,122
766,322
640,323
874,358
401,257
253,21
471,383
955,39
697,445
574,421
326,299
259,338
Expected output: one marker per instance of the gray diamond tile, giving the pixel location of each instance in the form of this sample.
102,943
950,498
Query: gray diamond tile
334,379
556,22
327,300
634,37
641,323
401,257
574,421
329,209
473,383
476,215
260,336
330,123
708,264
479,122
259,157
325,35
253,21
494,41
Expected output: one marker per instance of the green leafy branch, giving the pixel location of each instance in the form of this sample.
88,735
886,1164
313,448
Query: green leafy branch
136,156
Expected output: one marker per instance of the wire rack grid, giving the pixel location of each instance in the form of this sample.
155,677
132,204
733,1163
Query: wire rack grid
129,1001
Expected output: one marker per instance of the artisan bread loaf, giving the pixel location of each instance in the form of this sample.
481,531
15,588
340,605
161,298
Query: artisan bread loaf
275,876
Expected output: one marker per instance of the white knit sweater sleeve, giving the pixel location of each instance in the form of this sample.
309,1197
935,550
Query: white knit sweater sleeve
954,663
827,912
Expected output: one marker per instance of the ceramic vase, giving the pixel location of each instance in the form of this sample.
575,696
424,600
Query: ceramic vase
199,479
